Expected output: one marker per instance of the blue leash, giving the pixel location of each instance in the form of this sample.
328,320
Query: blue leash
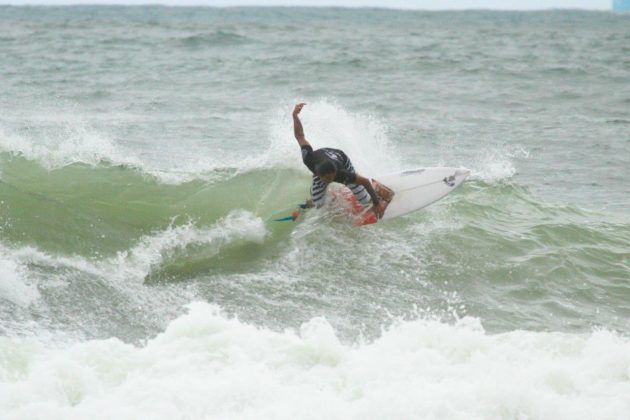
293,215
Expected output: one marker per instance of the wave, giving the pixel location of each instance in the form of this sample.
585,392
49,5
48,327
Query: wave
58,141
206,364
237,228
134,264
87,224
66,143
61,142
92,188
104,211
75,143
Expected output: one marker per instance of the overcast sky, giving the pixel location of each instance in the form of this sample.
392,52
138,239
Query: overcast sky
405,4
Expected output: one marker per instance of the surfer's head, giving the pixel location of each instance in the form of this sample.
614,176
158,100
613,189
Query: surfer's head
326,171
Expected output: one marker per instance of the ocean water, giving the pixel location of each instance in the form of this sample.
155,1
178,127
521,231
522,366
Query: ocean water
145,150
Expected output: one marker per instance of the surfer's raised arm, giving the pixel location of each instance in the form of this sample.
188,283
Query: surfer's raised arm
297,126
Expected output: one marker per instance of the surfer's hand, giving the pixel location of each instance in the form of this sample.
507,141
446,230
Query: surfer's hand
298,108
379,209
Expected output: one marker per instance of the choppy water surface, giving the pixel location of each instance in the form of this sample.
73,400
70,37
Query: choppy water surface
144,152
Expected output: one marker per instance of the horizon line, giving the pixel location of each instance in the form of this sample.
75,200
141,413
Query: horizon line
304,6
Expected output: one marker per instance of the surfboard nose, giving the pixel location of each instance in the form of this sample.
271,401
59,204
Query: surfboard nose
457,178
462,172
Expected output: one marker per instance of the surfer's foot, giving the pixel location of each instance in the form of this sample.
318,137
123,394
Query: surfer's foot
379,209
383,192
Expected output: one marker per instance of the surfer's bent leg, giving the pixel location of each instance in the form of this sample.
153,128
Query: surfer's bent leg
318,191
359,191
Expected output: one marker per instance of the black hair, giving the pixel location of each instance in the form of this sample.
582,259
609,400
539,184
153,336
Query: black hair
324,168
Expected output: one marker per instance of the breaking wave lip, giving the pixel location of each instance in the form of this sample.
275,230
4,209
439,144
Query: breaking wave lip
137,262
206,364
151,250
363,137
79,145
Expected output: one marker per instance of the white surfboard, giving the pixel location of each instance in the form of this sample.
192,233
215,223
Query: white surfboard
413,190
418,188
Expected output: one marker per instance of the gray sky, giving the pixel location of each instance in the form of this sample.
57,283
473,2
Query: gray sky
405,4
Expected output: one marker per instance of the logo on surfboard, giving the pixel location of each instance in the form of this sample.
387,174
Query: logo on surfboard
449,180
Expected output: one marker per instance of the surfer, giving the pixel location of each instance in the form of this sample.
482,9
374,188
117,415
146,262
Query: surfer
333,165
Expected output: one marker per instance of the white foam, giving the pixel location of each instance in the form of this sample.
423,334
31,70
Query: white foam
137,262
14,283
72,142
80,144
71,139
206,365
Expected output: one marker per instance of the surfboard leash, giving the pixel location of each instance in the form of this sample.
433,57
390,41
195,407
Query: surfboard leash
294,215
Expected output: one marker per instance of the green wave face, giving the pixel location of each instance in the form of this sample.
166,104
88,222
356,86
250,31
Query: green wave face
103,210
86,210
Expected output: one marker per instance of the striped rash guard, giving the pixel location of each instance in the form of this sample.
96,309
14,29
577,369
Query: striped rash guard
345,173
